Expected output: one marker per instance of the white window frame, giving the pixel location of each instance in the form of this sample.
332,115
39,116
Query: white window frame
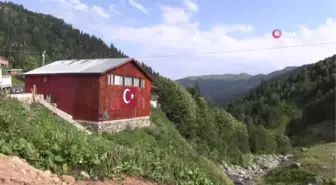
109,79
142,83
118,80
136,82
128,81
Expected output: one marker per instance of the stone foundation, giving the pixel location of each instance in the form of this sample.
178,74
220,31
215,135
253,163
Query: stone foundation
115,125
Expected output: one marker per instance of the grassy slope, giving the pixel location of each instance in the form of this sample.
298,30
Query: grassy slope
321,155
320,159
318,162
158,153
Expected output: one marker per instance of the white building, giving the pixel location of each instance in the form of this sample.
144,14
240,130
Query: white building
5,80
154,100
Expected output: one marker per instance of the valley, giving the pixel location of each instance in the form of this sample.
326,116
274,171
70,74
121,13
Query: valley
223,89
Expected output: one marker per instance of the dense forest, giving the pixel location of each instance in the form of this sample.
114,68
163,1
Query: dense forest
24,35
213,131
293,102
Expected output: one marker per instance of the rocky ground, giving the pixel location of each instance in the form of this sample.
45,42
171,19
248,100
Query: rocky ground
16,171
258,167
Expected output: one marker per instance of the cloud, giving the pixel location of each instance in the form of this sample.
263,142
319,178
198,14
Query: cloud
138,6
173,16
113,9
69,15
76,4
191,5
100,11
177,27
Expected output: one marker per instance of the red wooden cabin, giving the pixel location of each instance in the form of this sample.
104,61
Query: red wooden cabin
101,94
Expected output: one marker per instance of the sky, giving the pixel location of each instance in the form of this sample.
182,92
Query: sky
180,38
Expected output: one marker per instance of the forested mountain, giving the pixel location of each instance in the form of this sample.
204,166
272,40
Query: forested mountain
24,35
297,101
228,87
211,130
225,77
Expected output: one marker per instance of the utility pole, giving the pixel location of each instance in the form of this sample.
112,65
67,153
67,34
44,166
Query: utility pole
43,57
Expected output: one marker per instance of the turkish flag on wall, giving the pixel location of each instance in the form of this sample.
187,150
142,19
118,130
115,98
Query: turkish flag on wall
129,97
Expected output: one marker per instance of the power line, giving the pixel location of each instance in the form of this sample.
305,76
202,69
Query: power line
205,53
236,51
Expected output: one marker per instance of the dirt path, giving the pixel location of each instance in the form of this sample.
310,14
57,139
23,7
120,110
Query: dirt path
15,171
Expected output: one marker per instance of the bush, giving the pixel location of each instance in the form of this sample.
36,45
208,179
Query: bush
261,140
287,175
283,143
214,132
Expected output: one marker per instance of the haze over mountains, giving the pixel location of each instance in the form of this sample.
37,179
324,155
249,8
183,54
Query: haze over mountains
224,88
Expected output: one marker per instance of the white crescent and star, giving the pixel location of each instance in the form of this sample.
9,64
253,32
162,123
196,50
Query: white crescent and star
124,96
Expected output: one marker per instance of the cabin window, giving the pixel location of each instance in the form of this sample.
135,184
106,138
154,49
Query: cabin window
118,80
128,81
110,79
136,82
142,83
125,80
45,79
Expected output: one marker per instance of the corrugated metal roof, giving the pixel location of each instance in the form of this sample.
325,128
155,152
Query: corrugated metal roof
3,61
79,66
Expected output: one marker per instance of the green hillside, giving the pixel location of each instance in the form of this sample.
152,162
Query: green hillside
23,30
298,104
211,130
301,104
214,133
157,153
